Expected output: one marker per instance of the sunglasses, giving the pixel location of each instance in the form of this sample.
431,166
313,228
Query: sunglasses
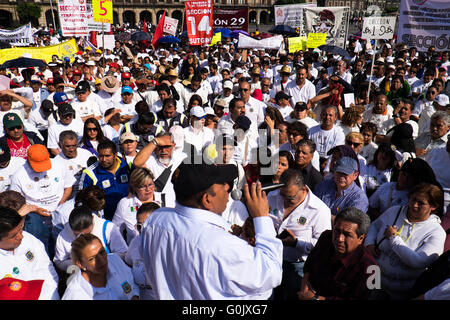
242,89
15,128
354,144
92,129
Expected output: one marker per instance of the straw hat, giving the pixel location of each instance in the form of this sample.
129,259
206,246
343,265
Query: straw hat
110,84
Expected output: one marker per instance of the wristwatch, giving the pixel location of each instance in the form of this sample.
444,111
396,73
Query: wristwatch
154,142
396,115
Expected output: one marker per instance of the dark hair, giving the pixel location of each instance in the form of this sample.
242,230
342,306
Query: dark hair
369,126
92,197
9,219
107,144
301,128
147,207
233,102
147,117
12,199
307,142
100,136
80,243
163,87
292,176
434,194
288,156
169,101
141,107
387,149
80,218
354,215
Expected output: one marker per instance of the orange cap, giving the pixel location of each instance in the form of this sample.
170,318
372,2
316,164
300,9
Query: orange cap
39,158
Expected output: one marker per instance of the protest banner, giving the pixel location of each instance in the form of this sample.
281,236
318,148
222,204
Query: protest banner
297,44
199,21
330,20
378,28
73,17
268,43
315,40
22,36
170,25
62,50
423,24
103,11
291,14
232,19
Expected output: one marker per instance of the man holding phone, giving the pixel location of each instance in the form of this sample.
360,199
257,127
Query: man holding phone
299,218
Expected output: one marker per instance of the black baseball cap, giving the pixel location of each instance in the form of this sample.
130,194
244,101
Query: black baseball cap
82,86
186,180
65,108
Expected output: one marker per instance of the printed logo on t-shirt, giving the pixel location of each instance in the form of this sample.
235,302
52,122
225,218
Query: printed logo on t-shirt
106,184
124,178
126,287
29,255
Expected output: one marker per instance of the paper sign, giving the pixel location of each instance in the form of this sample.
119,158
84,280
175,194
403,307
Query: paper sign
216,38
316,39
297,44
378,28
103,11
170,25
73,18
349,98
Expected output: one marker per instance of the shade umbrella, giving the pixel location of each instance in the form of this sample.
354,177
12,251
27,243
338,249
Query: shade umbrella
184,34
334,50
283,30
140,36
235,33
225,32
169,39
23,62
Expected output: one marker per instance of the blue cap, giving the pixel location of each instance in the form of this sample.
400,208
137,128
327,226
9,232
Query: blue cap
147,65
127,89
60,97
243,122
346,165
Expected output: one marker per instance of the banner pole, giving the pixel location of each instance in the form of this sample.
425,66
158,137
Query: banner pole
103,39
371,69
346,29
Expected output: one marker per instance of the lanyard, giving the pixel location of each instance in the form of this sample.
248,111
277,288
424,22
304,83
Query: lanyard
410,233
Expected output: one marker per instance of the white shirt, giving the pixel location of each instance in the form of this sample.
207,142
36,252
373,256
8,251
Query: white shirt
440,292
119,285
63,246
387,195
37,120
303,94
125,216
30,261
189,254
74,165
439,161
5,173
168,194
307,221
198,138
254,110
235,212
326,139
87,108
383,121
54,130
285,111
44,189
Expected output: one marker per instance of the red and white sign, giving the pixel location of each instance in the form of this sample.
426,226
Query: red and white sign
199,21
170,25
73,17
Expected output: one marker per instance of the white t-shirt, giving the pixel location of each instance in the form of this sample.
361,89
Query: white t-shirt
43,189
75,165
54,130
5,173
87,108
326,139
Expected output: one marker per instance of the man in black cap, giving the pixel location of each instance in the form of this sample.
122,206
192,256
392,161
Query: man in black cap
43,117
282,104
85,108
67,121
189,251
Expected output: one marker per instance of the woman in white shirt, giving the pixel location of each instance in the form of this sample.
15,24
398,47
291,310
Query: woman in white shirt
100,276
405,240
142,190
379,170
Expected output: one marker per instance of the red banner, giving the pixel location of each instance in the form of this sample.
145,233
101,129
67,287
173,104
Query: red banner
199,21
232,19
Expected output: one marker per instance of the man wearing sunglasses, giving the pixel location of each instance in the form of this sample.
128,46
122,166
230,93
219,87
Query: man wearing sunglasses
17,139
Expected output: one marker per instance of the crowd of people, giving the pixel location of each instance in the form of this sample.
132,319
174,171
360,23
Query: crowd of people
137,172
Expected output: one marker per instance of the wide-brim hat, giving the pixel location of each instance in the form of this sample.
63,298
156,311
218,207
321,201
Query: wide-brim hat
285,69
110,84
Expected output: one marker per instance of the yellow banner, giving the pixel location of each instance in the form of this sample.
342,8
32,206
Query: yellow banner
297,44
216,38
102,11
62,50
316,39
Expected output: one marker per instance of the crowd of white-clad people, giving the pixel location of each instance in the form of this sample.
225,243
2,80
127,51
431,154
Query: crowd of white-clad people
136,173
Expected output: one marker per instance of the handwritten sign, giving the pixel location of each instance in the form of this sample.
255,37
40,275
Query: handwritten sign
316,39
297,44
378,28
103,11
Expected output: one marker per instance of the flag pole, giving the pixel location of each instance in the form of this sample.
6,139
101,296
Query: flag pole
103,39
371,69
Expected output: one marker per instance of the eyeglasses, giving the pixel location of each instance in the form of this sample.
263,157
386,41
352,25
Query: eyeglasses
91,129
243,89
15,128
147,186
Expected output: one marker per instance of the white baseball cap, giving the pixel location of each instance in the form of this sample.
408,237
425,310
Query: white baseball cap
209,110
442,99
198,112
228,85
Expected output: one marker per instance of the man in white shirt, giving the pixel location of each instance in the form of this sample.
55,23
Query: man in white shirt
327,135
72,158
341,70
282,103
194,237
24,257
66,121
281,84
254,109
378,75
299,218
226,123
196,133
85,108
110,92
381,114
195,88
127,105
301,90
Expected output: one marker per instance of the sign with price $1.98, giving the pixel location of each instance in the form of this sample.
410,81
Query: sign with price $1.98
378,28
